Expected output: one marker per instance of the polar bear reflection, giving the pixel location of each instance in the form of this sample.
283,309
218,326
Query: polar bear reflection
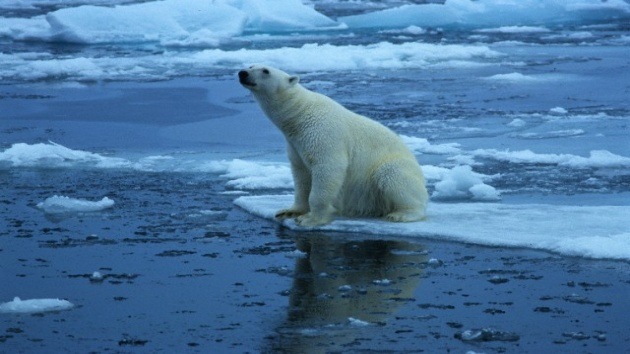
343,280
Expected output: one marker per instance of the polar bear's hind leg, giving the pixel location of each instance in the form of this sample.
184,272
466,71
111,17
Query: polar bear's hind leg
403,191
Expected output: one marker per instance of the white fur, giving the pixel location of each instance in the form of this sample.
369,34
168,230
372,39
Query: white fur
342,163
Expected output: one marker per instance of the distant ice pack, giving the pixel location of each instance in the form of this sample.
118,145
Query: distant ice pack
492,13
171,22
208,23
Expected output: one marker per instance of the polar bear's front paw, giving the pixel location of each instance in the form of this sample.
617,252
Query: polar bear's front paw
406,216
310,220
289,213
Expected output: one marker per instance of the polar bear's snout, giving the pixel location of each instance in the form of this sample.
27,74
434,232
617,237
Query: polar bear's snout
244,79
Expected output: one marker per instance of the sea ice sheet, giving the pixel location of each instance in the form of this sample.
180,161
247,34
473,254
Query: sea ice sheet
587,231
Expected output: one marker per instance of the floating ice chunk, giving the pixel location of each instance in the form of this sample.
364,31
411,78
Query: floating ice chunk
434,172
596,159
516,123
280,15
357,322
60,204
515,29
558,110
345,288
161,20
486,335
484,192
50,155
424,146
84,68
25,28
520,78
463,183
34,305
296,254
381,281
172,22
96,277
552,134
415,30
434,262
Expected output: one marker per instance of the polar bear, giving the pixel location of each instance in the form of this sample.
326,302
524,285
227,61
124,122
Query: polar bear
343,164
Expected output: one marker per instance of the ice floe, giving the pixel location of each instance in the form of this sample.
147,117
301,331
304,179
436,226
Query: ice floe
34,305
61,205
587,231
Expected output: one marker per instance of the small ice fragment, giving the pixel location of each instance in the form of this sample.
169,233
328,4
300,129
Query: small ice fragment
96,277
434,262
382,282
576,335
296,254
357,322
516,123
61,204
415,30
486,335
558,110
498,280
34,305
345,288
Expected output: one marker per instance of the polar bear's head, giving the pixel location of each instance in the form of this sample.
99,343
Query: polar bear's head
266,80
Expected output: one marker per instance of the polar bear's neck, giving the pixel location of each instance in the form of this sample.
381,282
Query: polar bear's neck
284,107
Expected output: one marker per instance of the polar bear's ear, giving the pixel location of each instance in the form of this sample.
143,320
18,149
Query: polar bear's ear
294,80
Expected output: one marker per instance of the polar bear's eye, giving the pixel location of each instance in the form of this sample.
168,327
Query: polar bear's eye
265,71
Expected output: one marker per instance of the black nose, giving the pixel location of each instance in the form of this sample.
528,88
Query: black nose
242,75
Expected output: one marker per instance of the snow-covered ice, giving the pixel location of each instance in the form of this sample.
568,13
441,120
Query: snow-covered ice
588,231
